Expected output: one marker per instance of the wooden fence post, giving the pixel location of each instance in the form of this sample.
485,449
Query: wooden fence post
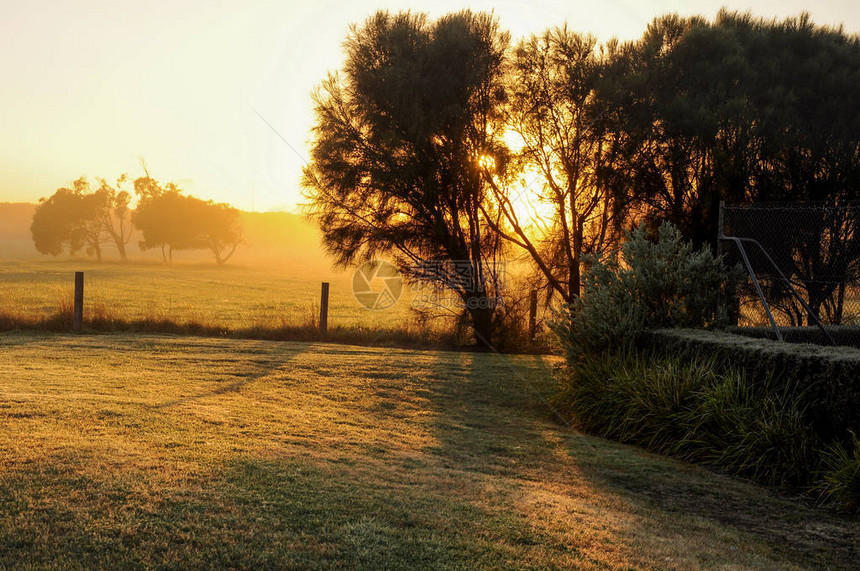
532,315
324,309
78,316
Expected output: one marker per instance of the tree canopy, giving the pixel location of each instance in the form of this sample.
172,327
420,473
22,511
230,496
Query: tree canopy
413,155
395,163
80,218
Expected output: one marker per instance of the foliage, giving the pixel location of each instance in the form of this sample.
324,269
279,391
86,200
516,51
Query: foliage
842,335
80,218
738,109
398,138
697,410
840,479
654,284
553,110
629,397
410,156
172,221
753,428
828,374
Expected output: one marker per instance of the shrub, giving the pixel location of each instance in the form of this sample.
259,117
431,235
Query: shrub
828,375
646,285
842,335
628,396
750,429
840,480
691,409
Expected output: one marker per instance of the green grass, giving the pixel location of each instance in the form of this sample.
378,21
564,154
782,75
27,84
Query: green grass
160,452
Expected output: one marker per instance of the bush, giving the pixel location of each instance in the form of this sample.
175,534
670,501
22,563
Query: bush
630,397
654,284
828,375
842,335
749,429
840,480
691,409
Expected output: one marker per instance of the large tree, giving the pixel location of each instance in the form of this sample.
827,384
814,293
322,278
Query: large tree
554,112
739,110
675,94
79,218
745,110
399,138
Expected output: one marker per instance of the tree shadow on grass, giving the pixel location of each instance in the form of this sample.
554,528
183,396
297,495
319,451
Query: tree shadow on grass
20,338
492,417
795,529
485,408
263,366
250,514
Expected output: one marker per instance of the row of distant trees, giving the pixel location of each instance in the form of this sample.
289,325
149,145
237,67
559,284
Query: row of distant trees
84,218
426,138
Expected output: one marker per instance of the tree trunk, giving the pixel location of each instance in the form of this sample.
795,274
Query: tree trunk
575,263
481,309
120,246
840,304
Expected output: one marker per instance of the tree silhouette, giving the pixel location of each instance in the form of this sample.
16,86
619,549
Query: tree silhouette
79,218
170,220
552,107
739,110
395,162
746,110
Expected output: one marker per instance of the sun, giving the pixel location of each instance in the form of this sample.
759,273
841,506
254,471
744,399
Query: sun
533,212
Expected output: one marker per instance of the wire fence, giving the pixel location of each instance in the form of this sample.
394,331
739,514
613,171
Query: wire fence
801,269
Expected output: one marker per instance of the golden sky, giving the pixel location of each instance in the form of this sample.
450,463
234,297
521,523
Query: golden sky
89,86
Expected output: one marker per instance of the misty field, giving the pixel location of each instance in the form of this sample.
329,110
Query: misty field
231,297
131,452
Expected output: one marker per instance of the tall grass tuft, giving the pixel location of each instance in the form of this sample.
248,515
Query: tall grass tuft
840,478
755,430
693,410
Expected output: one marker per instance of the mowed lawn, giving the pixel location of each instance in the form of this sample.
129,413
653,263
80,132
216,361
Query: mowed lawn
174,452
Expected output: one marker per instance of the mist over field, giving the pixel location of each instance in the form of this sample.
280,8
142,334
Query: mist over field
270,239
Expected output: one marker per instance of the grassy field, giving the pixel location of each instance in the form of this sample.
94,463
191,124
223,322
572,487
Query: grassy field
162,452
233,296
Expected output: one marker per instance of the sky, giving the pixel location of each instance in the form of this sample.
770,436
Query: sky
215,95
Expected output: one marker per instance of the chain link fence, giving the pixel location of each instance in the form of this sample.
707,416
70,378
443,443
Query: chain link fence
801,270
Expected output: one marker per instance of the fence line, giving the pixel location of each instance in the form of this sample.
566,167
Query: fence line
803,265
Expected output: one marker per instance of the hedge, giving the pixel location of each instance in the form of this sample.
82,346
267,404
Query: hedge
829,375
843,335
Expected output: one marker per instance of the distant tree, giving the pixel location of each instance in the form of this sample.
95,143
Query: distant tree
79,218
113,213
217,227
159,217
170,220
398,141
